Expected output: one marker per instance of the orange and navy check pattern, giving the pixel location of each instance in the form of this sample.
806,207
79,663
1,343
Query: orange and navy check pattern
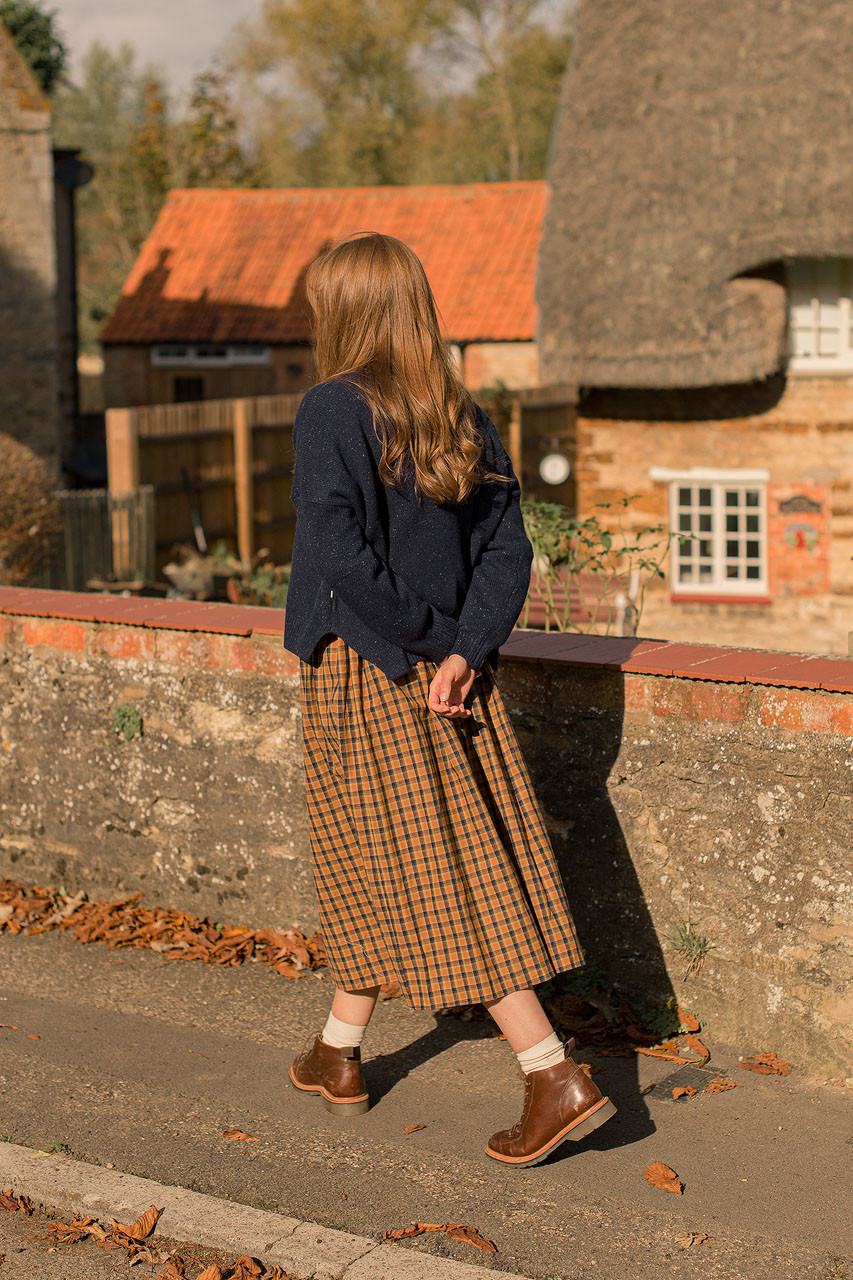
431,859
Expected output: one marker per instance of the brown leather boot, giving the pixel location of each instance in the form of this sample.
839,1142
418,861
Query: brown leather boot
333,1073
561,1104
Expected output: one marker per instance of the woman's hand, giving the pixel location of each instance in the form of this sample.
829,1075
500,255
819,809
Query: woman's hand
450,687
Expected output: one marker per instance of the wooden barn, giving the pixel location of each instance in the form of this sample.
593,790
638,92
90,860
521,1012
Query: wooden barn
214,307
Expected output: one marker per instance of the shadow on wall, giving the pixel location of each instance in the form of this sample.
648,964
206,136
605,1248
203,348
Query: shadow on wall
571,744
684,404
29,403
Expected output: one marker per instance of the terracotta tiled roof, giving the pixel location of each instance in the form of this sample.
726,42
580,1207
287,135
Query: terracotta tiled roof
226,266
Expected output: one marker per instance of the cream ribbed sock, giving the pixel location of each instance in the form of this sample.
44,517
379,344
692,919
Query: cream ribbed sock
342,1035
547,1053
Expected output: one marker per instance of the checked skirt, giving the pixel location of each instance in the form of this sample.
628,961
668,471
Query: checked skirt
431,859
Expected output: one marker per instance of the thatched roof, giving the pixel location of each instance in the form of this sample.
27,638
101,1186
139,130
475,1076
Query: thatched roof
693,143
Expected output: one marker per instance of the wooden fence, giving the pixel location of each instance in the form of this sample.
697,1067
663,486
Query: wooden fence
225,466
108,538
222,465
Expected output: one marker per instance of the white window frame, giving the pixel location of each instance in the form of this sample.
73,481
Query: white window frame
718,481
190,355
809,301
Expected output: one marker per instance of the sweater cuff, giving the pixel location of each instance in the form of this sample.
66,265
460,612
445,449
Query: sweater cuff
444,632
474,651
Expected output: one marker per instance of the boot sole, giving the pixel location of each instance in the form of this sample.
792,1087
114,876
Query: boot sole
579,1128
338,1106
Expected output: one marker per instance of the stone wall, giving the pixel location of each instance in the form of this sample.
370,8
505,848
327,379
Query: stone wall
680,783
29,405
800,430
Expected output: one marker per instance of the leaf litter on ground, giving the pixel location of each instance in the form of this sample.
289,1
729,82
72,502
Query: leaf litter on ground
135,1239
766,1064
456,1231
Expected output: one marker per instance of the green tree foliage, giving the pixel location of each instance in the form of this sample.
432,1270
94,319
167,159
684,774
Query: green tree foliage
445,91
123,119
356,95
212,154
34,31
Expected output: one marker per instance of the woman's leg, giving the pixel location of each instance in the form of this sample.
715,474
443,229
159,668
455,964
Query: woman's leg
521,1018
350,1013
561,1102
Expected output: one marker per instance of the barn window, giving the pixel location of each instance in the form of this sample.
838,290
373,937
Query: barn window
820,324
173,355
720,522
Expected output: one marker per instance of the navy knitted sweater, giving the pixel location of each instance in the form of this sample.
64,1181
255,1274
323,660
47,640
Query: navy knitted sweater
397,580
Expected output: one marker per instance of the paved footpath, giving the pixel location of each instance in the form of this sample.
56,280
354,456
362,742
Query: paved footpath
142,1063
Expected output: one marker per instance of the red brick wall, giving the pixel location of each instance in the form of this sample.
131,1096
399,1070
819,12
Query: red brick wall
801,431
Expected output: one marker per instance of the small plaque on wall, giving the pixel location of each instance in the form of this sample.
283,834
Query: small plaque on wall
799,503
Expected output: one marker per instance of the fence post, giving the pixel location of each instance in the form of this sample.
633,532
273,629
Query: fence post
243,488
122,477
122,451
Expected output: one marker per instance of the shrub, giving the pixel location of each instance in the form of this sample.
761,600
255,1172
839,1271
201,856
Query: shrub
30,515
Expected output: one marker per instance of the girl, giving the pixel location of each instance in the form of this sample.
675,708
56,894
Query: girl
410,566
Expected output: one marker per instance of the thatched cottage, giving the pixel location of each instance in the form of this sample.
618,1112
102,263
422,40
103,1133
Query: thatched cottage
695,291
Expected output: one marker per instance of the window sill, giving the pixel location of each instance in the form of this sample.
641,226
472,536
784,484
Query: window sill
702,597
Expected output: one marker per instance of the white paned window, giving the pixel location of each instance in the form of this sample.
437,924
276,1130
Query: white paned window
205,355
722,519
820,317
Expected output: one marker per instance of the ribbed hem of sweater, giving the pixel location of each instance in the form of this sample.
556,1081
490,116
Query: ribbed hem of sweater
474,651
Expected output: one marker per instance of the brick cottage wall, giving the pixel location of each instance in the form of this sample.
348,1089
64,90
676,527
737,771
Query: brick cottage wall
802,434
679,782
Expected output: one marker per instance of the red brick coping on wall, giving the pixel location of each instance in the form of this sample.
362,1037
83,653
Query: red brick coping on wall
70,611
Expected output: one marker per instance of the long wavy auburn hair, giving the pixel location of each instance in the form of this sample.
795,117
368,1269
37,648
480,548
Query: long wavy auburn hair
376,324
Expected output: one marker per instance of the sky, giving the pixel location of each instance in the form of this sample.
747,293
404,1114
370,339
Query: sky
180,37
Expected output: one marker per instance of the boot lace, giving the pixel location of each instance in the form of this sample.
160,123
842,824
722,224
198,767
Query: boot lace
519,1124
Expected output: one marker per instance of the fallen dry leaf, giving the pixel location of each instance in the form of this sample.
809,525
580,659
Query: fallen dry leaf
766,1064
18,1204
470,1235
142,1227
660,1175
720,1086
691,1238
687,1019
698,1047
143,1255
176,1268
416,1229
683,1091
661,1053
210,1273
412,1128
239,1134
246,1267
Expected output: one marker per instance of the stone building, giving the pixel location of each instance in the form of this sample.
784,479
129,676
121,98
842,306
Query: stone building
214,306
38,294
29,385
695,291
